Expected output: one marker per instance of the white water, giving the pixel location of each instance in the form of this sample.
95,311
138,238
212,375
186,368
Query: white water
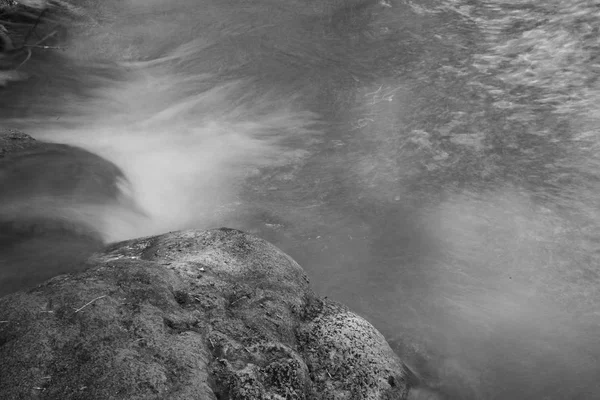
184,136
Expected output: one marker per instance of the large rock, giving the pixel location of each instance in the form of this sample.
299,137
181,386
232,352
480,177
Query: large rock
211,314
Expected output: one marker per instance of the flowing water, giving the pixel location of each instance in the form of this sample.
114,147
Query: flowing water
430,163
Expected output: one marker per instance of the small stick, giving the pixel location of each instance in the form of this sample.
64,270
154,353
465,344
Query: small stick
26,59
42,40
240,299
329,374
46,47
3,322
88,303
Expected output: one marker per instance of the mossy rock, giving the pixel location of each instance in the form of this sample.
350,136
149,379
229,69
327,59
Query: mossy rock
216,314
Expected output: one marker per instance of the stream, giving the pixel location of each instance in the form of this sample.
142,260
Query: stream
432,164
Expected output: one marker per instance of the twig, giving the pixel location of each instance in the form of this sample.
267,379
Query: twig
88,303
3,322
240,299
45,47
42,40
25,60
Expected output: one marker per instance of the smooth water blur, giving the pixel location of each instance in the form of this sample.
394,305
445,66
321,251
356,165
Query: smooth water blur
420,159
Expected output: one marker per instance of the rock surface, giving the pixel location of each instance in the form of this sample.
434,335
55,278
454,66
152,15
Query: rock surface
214,314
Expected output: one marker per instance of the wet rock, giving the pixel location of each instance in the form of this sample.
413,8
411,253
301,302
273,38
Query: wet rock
214,314
54,200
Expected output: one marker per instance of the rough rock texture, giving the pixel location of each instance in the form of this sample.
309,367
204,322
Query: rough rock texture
53,201
211,314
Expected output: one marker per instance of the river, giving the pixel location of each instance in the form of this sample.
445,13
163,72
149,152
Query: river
432,164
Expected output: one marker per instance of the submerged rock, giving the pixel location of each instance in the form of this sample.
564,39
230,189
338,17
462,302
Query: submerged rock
214,314
54,201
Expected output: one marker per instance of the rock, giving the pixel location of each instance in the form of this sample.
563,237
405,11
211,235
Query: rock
55,176
214,314
54,201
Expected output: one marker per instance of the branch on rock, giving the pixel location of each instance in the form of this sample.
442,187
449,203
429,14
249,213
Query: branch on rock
88,303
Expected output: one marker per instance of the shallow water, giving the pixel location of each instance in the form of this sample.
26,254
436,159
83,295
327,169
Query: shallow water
431,164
